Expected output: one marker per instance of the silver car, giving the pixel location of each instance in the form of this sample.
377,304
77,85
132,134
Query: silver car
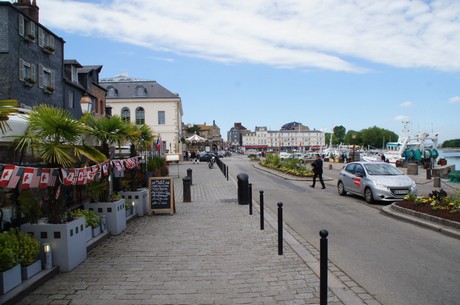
375,181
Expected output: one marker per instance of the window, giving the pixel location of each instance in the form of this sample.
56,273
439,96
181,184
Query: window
26,72
74,74
161,118
45,78
125,115
140,115
141,91
112,92
26,28
71,99
46,41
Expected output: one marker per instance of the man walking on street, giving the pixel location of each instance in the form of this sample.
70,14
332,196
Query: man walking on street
318,171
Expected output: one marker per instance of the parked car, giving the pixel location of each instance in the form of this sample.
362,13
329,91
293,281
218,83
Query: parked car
284,155
207,156
375,181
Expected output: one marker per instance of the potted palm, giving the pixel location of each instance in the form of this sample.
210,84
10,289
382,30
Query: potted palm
10,269
55,137
141,139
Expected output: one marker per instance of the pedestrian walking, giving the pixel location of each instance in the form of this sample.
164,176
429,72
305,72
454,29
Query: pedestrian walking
318,171
192,156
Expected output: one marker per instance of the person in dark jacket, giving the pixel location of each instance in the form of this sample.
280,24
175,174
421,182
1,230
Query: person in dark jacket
318,171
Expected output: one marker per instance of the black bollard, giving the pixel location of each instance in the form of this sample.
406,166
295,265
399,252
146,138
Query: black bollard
428,173
227,173
250,198
261,210
189,174
280,228
187,192
323,267
243,188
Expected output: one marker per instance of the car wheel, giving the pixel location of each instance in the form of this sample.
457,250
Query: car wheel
368,196
341,189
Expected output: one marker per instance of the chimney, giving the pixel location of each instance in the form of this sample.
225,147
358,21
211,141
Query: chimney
28,8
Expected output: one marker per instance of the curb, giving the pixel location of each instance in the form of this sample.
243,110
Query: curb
449,228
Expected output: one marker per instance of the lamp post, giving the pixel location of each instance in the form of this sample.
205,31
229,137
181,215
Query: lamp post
85,103
48,256
353,136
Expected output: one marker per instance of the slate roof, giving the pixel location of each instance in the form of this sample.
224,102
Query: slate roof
127,88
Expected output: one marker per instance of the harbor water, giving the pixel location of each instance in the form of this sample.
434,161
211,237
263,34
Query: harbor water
452,157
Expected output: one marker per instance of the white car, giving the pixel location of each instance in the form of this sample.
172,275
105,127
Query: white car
375,181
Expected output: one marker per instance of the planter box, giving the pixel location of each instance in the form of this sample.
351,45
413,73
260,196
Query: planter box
129,211
68,241
9,279
114,212
139,198
96,231
29,271
88,233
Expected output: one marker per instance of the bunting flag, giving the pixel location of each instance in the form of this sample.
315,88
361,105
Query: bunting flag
27,177
54,173
105,168
45,178
82,176
36,178
6,174
119,165
69,178
58,192
15,177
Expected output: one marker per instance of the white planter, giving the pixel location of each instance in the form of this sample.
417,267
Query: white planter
68,241
129,211
114,212
96,231
139,198
9,279
88,233
29,271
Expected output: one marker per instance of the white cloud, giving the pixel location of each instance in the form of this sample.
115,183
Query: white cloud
406,104
330,35
401,118
454,100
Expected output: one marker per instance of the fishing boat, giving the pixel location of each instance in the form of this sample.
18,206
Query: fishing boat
408,148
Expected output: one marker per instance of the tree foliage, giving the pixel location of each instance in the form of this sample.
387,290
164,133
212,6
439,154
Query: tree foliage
339,135
454,143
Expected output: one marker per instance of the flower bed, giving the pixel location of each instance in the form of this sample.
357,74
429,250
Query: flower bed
438,204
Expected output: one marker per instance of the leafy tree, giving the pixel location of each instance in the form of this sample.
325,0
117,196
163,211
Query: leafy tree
339,135
193,129
454,143
7,107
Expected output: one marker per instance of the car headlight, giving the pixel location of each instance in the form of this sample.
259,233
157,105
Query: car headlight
378,183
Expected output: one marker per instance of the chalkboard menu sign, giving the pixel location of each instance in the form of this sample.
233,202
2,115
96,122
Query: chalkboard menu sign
161,191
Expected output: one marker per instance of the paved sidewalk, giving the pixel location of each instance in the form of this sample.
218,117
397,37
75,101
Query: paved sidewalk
210,252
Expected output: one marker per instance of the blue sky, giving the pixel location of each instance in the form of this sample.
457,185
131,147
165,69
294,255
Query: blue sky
266,63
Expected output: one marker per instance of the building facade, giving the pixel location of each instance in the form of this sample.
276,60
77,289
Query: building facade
147,102
235,135
297,139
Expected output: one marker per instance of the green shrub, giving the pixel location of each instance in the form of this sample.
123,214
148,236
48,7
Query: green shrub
29,249
9,250
91,218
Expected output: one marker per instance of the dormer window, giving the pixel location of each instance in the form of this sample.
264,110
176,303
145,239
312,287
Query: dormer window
141,91
112,92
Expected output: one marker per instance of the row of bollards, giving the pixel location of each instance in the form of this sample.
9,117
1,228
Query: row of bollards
245,197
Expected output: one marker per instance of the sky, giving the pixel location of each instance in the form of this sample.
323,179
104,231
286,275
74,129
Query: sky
322,63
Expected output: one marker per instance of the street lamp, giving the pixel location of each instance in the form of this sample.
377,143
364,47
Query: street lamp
85,103
353,136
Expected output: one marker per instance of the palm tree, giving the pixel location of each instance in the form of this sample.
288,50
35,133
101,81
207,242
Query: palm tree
141,139
7,107
107,132
54,136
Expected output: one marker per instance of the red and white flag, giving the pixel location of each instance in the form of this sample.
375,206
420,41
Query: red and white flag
69,178
105,168
6,174
27,177
45,178
82,176
15,177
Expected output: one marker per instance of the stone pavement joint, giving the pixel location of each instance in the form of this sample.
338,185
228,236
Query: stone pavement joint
211,251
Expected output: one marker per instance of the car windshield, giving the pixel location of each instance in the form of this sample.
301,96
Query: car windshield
382,169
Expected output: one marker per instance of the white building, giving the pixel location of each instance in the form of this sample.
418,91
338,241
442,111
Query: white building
300,140
147,102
